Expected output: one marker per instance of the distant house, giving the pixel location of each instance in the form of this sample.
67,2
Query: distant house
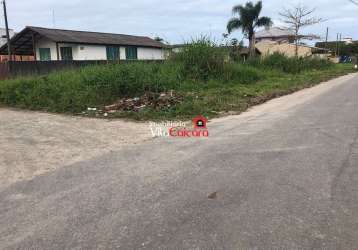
57,44
275,34
289,49
176,48
281,40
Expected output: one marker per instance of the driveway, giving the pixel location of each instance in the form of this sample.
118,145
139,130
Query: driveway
282,176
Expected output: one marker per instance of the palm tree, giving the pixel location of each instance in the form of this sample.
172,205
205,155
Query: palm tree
249,19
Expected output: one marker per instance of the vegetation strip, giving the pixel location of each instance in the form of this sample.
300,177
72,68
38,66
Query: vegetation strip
204,77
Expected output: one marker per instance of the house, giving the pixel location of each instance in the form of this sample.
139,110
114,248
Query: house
289,49
279,35
281,40
3,40
57,44
275,34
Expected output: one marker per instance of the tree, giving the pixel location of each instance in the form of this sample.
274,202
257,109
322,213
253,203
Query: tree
249,19
298,17
158,39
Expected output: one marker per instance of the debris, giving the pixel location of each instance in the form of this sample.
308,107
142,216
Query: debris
153,100
213,196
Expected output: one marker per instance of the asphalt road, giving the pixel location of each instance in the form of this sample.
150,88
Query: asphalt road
282,176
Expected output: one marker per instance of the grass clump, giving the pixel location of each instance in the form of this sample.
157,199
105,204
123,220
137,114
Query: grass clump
292,65
201,59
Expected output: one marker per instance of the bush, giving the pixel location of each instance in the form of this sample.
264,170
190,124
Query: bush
201,59
291,65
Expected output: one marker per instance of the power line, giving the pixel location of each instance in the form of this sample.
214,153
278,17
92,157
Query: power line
354,1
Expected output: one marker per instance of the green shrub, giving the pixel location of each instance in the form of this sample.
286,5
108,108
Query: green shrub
291,65
201,59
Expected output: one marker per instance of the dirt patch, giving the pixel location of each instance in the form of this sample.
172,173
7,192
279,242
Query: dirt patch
33,143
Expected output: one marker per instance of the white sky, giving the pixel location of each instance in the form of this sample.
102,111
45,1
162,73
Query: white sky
174,20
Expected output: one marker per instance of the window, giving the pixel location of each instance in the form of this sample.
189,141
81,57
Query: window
112,53
45,54
66,53
131,53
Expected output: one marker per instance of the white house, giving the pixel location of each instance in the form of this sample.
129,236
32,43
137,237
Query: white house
55,44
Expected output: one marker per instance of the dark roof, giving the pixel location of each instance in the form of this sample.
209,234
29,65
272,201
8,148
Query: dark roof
246,51
22,42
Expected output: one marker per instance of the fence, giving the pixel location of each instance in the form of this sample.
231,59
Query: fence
14,69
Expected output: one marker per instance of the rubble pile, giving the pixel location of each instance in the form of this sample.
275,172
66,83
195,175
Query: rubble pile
153,100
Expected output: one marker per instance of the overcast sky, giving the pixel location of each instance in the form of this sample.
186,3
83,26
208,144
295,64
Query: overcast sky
174,20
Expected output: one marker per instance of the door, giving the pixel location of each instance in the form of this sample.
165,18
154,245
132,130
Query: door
66,53
112,53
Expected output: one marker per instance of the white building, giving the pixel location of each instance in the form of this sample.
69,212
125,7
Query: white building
3,38
55,44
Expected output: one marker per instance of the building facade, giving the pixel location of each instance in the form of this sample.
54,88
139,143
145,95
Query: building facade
46,50
55,44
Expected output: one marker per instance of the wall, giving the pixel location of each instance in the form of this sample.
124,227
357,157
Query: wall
268,48
150,54
96,52
14,69
89,52
45,43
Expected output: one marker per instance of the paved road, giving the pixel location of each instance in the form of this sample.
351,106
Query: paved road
285,176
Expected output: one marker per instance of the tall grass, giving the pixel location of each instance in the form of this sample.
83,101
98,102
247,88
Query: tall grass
293,65
201,59
202,65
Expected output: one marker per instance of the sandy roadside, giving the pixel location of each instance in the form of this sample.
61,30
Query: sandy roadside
33,143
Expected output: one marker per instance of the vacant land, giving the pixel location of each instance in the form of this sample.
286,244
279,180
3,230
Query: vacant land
199,80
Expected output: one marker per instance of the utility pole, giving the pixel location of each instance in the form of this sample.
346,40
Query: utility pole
326,44
7,30
339,44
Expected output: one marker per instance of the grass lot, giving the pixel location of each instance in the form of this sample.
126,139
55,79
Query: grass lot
202,75
215,100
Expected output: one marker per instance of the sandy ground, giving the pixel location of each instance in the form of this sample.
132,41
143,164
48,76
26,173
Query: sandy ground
33,143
